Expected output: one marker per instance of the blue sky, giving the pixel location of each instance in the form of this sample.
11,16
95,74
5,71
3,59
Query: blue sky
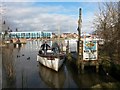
71,6
49,16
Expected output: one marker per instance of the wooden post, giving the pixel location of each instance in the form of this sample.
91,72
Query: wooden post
97,67
79,39
67,51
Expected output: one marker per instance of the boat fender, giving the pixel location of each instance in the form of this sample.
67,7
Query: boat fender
40,51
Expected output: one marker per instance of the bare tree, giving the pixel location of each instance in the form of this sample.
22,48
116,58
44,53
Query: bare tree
107,27
118,31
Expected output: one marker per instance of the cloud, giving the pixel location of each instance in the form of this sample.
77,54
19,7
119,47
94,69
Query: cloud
38,17
25,17
87,24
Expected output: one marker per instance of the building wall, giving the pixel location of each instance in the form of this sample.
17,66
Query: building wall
32,34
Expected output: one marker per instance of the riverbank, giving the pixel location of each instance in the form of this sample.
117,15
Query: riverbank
111,67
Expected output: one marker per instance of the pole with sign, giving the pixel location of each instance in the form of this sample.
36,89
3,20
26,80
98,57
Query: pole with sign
90,49
79,43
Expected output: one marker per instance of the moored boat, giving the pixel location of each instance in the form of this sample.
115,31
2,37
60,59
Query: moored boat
51,60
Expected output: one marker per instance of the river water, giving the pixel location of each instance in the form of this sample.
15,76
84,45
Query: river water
20,69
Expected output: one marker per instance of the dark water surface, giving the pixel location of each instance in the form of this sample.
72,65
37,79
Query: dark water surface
20,69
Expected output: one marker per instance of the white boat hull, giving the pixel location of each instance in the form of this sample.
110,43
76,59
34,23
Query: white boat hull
54,64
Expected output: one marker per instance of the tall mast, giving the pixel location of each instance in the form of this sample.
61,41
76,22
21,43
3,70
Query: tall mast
58,34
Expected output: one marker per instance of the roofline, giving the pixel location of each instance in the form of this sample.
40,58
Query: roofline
29,32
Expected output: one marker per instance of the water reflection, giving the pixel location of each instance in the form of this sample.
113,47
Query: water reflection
8,67
0,68
90,78
51,78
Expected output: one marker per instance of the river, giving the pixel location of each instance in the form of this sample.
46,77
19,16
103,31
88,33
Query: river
20,69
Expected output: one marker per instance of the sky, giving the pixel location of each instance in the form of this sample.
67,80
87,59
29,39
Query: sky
57,17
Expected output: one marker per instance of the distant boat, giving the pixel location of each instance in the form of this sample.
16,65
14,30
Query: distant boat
51,60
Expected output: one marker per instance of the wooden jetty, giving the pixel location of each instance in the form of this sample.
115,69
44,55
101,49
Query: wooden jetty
72,58
82,63
22,40
18,42
85,47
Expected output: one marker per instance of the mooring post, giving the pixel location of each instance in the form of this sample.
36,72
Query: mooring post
82,67
67,51
97,67
79,47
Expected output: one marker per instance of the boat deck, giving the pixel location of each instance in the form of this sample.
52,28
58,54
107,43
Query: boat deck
52,55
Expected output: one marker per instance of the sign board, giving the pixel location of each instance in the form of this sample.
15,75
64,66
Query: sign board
90,50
